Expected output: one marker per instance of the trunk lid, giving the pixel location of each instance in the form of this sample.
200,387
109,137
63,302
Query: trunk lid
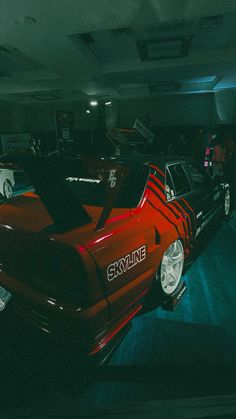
44,264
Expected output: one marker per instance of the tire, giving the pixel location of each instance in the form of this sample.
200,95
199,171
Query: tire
171,268
158,292
7,189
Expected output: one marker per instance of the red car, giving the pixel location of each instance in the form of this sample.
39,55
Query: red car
82,251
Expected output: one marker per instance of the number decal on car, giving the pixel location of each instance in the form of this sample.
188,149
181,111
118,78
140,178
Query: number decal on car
112,178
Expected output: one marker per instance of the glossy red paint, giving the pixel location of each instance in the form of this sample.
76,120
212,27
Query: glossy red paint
157,169
105,340
118,218
82,300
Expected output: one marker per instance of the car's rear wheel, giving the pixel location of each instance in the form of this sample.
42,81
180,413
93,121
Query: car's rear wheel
7,189
171,268
167,278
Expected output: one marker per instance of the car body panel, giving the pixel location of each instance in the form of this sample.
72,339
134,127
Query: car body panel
89,280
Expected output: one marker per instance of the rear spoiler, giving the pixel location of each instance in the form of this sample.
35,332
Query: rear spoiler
46,175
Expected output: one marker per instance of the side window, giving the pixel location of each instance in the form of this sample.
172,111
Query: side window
169,187
180,179
198,176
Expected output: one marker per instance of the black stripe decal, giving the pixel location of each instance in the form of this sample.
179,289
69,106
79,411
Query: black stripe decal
187,221
165,216
161,187
158,175
173,212
177,211
168,204
190,212
164,203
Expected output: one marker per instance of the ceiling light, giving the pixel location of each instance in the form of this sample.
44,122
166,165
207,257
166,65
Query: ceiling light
108,103
93,103
88,111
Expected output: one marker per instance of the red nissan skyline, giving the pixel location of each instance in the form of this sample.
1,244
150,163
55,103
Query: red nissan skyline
86,246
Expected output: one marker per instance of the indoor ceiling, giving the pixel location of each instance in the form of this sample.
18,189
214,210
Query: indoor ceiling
70,50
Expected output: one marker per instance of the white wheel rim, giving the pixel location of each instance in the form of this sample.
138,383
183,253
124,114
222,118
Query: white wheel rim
172,267
227,202
7,190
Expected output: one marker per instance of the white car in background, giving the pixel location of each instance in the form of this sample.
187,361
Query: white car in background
7,182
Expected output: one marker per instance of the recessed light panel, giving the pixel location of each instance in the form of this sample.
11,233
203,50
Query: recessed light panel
163,48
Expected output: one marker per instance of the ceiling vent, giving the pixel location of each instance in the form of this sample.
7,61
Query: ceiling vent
211,21
164,48
165,86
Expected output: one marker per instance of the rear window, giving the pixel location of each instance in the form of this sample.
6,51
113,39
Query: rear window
180,179
123,185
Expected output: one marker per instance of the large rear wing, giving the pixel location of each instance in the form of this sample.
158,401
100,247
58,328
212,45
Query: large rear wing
50,178
47,179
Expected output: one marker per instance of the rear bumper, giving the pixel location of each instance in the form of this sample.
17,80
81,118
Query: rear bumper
88,330
53,317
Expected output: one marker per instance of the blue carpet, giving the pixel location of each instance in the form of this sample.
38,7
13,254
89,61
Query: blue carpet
199,336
